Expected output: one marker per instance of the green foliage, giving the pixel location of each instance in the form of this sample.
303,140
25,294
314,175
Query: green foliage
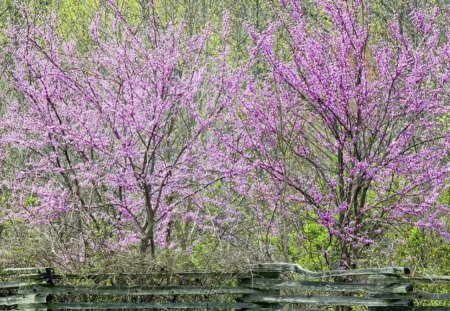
424,251
75,17
420,249
199,254
31,201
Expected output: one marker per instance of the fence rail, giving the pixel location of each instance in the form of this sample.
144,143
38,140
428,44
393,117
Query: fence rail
272,286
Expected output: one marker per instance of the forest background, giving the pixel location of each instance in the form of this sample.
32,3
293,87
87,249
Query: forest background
214,134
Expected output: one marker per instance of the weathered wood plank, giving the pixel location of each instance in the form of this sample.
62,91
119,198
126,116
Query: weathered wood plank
17,284
16,299
118,306
291,309
326,286
143,291
329,301
287,267
386,279
432,296
17,271
430,308
148,276
429,279
414,295
21,299
33,307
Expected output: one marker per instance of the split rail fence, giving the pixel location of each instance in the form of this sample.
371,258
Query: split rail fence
276,286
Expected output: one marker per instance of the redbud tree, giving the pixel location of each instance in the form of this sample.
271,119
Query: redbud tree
114,133
347,129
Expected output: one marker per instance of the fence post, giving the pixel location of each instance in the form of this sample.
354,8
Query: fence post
391,287
267,273
38,300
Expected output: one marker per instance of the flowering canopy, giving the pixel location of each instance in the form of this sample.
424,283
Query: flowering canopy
115,135
348,127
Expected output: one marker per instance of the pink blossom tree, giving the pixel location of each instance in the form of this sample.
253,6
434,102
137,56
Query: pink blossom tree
347,129
115,134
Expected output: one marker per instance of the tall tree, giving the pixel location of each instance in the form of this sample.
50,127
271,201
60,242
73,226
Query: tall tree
348,130
114,138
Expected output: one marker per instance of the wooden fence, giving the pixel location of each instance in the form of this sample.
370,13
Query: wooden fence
262,287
